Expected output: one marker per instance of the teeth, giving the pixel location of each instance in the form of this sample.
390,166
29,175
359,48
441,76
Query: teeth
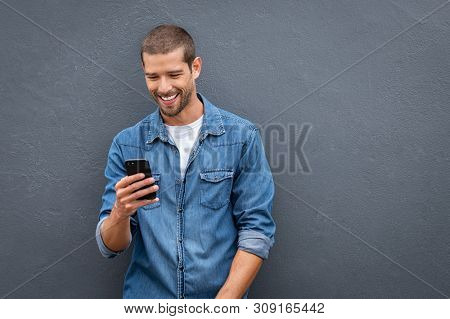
169,97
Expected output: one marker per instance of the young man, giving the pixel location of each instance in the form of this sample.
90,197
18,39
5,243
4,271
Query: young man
210,227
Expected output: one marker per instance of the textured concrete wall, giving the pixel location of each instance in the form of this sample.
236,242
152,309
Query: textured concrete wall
371,219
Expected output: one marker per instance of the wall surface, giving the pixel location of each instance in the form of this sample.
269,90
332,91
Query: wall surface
368,80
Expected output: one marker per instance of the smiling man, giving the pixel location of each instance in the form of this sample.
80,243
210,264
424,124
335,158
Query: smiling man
210,227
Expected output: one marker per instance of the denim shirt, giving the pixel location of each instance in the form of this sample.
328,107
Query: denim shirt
184,244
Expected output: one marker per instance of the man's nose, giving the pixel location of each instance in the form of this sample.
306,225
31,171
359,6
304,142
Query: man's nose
164,87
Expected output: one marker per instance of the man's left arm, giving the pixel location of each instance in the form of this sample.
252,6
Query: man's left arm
252,197
243,271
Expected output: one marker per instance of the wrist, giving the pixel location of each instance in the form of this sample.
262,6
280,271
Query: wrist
227,292
116,217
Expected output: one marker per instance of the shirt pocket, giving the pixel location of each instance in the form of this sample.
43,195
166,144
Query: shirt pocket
215,188
157,178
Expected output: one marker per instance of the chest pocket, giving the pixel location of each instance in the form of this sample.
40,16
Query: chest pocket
158,203
215,188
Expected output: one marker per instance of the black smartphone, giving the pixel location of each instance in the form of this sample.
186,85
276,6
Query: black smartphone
135,166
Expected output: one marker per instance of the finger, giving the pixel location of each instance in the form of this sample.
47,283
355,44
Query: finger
134,196
147,202
137,185
127,180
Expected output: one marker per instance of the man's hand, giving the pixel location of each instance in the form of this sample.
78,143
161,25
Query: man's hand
126,201
115,230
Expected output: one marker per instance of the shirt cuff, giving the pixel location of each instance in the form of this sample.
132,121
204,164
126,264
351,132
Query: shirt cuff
105,251
255,243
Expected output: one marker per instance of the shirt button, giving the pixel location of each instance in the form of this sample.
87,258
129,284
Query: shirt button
181,297
180,240
181,268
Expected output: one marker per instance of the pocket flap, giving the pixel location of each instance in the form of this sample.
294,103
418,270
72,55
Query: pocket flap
216,176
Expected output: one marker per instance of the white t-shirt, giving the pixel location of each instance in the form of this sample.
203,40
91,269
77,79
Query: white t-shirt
184,137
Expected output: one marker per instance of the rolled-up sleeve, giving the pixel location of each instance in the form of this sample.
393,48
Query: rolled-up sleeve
105,251
114,171
252,197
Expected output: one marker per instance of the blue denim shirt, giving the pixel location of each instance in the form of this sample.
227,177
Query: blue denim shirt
185,243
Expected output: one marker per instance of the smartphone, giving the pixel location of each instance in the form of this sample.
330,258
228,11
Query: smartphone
135,166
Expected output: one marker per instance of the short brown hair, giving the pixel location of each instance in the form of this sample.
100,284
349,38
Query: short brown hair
167,37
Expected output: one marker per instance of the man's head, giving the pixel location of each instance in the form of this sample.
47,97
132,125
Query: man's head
170,67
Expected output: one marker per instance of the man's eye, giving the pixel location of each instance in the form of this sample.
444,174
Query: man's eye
152,78
175,75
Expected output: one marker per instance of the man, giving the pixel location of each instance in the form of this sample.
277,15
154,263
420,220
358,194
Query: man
210,227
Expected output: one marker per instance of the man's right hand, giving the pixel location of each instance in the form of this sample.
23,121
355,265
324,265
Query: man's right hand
126,201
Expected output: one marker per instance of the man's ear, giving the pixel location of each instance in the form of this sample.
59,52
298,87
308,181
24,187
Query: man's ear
196,67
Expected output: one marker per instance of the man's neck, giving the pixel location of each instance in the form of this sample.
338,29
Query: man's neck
192,112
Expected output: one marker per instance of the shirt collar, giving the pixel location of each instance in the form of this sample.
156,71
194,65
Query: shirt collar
212,122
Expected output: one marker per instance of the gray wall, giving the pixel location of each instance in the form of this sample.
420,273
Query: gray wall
371,219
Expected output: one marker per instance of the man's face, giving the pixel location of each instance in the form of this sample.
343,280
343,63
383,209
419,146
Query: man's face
170,81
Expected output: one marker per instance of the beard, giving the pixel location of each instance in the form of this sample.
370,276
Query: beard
184,99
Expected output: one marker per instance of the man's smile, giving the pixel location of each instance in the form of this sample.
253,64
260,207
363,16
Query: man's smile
169,99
